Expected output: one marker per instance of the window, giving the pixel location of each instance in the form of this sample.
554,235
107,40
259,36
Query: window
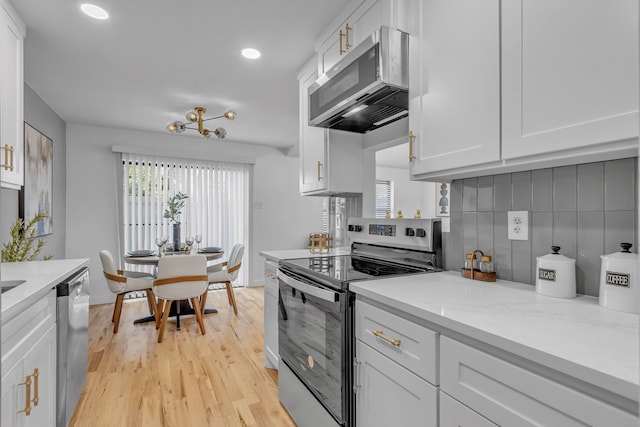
217,206
384,198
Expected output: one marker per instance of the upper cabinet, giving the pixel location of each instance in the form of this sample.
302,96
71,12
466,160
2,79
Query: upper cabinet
11,97
359,20
331,161
454,83
498,87
569,74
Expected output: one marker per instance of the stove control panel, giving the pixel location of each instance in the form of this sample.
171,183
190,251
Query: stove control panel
382,229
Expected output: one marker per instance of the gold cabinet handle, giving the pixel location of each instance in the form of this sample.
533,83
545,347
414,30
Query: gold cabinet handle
272,276
412,137
347,28
35,375
383,337
345,34
319,167
27,398
8,157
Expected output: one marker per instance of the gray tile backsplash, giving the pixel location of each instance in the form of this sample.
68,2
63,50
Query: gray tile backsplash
587,210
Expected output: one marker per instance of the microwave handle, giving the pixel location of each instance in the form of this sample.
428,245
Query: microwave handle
308,289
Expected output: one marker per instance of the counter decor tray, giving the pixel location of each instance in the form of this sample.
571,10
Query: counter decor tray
478,275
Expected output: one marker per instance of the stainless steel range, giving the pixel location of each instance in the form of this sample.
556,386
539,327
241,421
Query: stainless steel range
315,320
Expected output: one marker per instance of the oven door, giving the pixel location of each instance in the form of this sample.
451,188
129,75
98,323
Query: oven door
312,338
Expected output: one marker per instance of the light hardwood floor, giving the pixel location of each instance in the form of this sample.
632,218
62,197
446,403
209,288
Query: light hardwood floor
189,379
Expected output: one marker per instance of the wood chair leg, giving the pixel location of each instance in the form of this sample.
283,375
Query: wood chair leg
203,300
198,311
165,316
116,312
158,314
232,298
151,300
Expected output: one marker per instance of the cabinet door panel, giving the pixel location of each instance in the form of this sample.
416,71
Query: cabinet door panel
570,74
365,20
460,85
11,100
510,395
312,143
43,357
389,395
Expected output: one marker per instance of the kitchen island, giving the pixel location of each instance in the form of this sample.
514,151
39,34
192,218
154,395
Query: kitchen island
500,348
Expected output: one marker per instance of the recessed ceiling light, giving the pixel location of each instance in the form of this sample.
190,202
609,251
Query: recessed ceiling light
96,12
251,53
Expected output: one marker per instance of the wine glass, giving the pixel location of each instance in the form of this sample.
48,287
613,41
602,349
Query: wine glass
198,240
189,242
160,241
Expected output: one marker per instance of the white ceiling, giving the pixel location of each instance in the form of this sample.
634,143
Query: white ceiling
153,60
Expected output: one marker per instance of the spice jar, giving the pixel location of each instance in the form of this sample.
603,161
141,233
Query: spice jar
486,264
468,262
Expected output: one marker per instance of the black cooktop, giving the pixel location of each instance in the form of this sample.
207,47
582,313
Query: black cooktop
348,268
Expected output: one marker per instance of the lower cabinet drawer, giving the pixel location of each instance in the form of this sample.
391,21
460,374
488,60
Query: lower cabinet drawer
510,395
413,346
389,395
455,414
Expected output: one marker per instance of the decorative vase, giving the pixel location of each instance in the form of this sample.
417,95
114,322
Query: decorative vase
176,236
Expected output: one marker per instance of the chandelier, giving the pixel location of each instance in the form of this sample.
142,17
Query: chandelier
195,116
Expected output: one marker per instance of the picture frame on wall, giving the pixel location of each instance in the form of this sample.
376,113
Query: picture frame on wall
443,199
37,194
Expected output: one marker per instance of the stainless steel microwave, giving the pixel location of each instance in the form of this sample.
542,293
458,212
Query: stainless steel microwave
367,89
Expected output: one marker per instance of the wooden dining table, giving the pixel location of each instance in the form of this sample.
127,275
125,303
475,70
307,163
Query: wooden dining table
182,307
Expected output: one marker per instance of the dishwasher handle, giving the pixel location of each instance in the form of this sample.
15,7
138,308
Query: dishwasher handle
64,288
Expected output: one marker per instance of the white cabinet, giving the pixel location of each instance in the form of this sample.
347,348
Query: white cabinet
331,161
454,86
537,87
512,395
569,75
394,358
271,354
11,97
29,366
359,20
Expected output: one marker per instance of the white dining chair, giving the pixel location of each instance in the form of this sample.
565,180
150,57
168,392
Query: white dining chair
121,282
226,272
180,277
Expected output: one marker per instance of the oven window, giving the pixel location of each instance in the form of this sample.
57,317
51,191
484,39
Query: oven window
311,337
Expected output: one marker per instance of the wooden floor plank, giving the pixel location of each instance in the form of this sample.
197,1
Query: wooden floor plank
189,379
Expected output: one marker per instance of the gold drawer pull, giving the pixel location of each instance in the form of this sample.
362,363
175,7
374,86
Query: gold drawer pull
381,335
319,167
27,397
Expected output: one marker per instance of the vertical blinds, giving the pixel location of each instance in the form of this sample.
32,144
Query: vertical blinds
217,207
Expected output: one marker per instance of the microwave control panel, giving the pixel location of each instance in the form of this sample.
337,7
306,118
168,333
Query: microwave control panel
382,229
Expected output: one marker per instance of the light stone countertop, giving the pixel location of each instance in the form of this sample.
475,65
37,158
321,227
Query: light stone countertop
40,276
300,253
575,336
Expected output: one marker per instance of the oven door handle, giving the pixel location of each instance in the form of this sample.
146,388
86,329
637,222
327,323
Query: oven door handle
323,294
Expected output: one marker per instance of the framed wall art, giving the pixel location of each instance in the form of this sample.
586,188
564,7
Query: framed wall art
37,194
443,198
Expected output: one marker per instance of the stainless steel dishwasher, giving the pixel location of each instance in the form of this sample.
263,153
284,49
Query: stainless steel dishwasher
73,343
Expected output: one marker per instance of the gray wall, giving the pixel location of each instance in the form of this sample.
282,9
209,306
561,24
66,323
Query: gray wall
587,210
39,115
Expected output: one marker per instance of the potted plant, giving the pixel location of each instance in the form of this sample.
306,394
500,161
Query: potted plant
23,245
172,212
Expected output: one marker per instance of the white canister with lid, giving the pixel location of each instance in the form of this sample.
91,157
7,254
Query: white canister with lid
556,275
618,283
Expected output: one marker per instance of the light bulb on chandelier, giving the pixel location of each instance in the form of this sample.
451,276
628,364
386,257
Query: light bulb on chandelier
196,116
